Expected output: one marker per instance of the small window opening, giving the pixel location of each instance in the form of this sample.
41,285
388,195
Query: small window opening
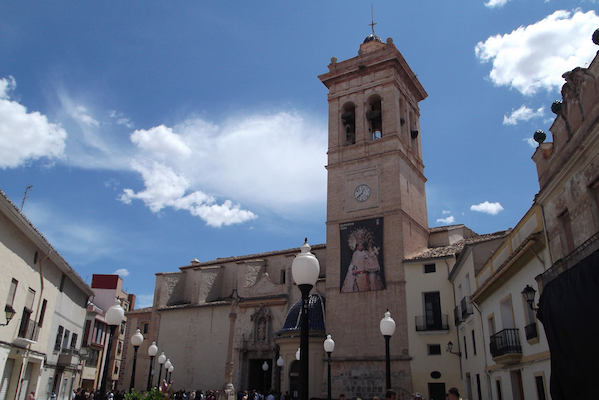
348,119
375,119
429,268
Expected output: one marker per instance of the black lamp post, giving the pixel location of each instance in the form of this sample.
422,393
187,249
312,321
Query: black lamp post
114,318
529,296
305,270
136,340
329,346
161,360
170,372
152,351
280,364
387,326
265,369
167,366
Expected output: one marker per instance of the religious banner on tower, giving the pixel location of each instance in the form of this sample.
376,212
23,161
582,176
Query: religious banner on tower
362,255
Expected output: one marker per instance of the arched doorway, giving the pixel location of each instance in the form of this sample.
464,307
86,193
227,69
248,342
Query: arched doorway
259,379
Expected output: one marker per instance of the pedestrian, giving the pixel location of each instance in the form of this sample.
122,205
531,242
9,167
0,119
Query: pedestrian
391,394
31,396
453,394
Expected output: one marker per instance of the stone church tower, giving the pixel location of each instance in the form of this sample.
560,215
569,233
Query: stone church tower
376,212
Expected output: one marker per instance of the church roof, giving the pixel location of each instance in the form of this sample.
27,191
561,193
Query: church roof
453,249
315,315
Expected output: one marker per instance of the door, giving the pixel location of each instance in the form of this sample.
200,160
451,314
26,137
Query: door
8,367
25,384
436,391
432,310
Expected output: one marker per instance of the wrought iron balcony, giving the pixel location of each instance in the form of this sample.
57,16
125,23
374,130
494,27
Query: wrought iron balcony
505,347
457,315
466,307
29,330
531,331
440,323
68,356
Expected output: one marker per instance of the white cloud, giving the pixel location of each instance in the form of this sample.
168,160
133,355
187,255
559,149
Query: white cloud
522,114
446,221
123,272
531,142
534,57
496,3
446,212
25,136
80,114
486,207
273,160
144,300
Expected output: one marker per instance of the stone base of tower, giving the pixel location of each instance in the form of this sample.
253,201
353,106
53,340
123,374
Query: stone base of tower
366,378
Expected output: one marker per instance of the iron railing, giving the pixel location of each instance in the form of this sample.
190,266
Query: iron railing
440,323
572,259
466,307
505,342
457,315
30,331
531,331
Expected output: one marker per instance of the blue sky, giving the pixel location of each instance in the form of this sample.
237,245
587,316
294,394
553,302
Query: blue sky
153,133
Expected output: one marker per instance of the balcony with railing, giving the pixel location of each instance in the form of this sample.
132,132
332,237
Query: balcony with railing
505,347
29,331
531,331
435,323
457,315
68,356
466,307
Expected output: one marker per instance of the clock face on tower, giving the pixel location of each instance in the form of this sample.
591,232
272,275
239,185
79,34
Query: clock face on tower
362,192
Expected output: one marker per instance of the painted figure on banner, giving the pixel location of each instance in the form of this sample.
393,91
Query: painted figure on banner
364,271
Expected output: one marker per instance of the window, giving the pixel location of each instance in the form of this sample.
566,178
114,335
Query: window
145,328
432,311
465,348
42,313
119,348
375,117
429,268
58,338
11,292
540,384
499,392
491,324
434,349
566,233
74,338
348,121
122,327
30,299
92,361
99,332
473,343
478,388
282,276
65,339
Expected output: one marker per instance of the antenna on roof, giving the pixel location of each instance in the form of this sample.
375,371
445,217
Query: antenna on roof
372,24
25,196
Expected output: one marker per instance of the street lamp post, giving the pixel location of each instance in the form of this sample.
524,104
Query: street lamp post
114,318
136,340
161,360
329,346
170,372
265,369
280,363
152,351
387,329
167,366
305,269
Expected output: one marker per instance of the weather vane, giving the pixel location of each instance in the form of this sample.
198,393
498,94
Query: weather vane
372,24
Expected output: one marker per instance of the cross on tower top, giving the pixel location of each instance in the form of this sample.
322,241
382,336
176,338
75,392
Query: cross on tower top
372,24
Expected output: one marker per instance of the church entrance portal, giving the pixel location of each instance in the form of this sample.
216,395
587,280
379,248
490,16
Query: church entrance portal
258,378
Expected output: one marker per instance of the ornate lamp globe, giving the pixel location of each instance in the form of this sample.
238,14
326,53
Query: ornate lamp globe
305,267
161,358
115,314
280,361
329,344
387,325
167,364
137,339
297,354
265,366
153,349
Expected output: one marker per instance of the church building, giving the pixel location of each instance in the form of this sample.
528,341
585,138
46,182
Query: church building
237,319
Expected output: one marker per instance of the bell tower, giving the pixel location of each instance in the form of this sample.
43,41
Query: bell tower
376,211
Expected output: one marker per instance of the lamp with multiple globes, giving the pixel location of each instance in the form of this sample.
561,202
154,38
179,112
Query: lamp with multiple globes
387,327
114,317
305,270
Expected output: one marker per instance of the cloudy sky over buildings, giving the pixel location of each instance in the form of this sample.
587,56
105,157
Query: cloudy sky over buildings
153,133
